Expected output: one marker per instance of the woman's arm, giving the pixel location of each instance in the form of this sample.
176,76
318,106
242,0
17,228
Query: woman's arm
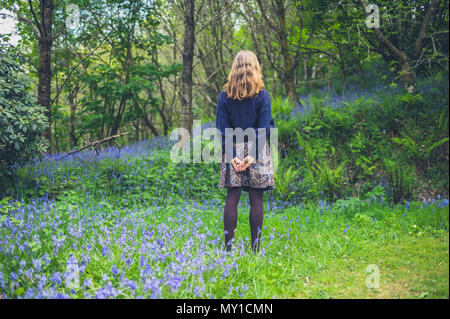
222,122
264,121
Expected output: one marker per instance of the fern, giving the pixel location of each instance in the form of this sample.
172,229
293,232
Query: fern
310,154
443,120
435,145
409,99
281,107
284,180
399,180
420,152
330,179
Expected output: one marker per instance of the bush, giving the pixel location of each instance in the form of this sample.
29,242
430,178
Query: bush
284,180
21,119
401,180
384,136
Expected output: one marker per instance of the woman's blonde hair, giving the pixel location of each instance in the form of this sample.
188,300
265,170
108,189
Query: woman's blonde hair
245,78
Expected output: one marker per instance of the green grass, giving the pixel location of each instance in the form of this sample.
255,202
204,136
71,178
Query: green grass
410,267
321,261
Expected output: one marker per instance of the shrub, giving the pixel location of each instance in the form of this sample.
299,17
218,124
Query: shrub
21,119
401,180
330,180
285,179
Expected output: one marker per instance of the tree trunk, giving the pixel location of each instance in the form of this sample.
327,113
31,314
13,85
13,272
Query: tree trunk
342,64
164,120
73,109
408,77
188,59
288,70
55,126
45,70
330,74
55,129
124,97
361,73
211,87
149,123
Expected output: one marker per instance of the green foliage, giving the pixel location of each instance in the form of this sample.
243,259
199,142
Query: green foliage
409,99
363,164
419,151
287,130
284,181
401,180
21,119
329,180
309,153
378,192
281,108
425,145
7,208
410,130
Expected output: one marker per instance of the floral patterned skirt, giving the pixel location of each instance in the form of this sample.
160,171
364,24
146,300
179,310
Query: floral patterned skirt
257,175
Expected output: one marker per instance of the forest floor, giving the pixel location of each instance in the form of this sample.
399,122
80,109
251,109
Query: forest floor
83,248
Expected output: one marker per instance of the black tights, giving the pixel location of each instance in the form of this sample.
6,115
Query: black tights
256,215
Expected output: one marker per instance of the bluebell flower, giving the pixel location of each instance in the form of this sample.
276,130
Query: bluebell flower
56,278
87,283
346,228
37,264
197,291
2,280
131,284
115,270
23,263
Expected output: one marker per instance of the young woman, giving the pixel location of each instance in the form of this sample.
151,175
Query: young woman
245,103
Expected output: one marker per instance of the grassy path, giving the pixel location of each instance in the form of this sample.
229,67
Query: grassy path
409,267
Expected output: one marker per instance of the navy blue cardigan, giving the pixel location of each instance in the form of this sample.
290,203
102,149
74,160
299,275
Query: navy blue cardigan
254,112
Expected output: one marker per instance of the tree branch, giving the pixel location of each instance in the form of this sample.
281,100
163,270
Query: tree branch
431,11
263,13
95,143
24,20
73,69
389,44
34,17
